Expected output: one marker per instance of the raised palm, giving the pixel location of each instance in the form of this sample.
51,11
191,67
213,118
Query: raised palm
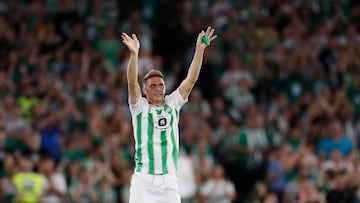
209,34
132,43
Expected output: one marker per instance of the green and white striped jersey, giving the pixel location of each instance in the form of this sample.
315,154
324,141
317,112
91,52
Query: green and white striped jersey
156,134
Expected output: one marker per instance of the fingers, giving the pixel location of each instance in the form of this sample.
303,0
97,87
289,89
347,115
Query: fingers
208,30
213,37
134,37
211,32
126,37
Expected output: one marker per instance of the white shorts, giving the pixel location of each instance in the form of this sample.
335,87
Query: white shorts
147,188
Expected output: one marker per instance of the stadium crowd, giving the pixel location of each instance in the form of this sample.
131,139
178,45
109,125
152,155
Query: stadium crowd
274,118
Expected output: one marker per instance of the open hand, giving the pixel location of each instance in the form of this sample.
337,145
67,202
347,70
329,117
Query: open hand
132,43
209,34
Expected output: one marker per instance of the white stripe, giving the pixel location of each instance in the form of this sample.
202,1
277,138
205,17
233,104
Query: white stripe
145,140
157,152
171,164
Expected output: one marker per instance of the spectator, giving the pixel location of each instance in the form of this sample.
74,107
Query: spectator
108,46
54,183
217,188
186,178
83,188
8,189
308,193
293,187
248,150
198,105
336,140
342,191
276,171
29,184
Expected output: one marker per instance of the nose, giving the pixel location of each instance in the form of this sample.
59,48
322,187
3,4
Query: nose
159,88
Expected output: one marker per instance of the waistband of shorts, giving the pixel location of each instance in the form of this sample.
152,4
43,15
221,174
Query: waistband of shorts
156,174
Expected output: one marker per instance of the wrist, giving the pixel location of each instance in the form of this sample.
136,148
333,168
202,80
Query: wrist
134,53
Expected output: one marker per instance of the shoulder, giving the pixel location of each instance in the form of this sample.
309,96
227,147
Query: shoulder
142,101
172,94
175,97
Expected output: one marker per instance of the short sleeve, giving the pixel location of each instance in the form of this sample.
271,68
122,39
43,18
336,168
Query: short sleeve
136,108
175,99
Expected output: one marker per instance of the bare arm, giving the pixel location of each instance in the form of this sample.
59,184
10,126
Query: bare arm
193,73
133,45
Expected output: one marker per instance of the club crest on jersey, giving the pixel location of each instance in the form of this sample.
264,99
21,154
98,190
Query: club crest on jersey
162,121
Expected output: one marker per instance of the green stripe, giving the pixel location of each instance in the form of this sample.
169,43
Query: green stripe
150,143
138,157
164,151
174,151
177,113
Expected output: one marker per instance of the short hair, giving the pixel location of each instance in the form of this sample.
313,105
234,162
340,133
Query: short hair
153,73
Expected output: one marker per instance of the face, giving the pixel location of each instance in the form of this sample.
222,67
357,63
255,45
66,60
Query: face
218,172
154,89
48,165
26,164
84,176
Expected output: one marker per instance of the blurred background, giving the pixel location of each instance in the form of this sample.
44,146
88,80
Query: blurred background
274,116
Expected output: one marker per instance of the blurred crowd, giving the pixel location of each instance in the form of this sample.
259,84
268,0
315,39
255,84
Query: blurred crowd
274,117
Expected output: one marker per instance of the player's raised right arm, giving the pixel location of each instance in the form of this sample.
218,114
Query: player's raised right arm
133,45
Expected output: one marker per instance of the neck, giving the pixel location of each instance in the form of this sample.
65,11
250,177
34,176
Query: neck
157,103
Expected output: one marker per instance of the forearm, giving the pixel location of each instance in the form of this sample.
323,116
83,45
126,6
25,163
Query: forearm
193,74
132,77
195,66
203,41
132,70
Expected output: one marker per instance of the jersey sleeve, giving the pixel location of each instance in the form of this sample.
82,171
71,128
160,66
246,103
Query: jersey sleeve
136,108
175,99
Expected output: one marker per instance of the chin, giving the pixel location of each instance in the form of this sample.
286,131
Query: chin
160,99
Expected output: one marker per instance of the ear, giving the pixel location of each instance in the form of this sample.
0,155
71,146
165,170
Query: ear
143,89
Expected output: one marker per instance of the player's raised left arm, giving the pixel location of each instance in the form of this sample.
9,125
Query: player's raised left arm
193,73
